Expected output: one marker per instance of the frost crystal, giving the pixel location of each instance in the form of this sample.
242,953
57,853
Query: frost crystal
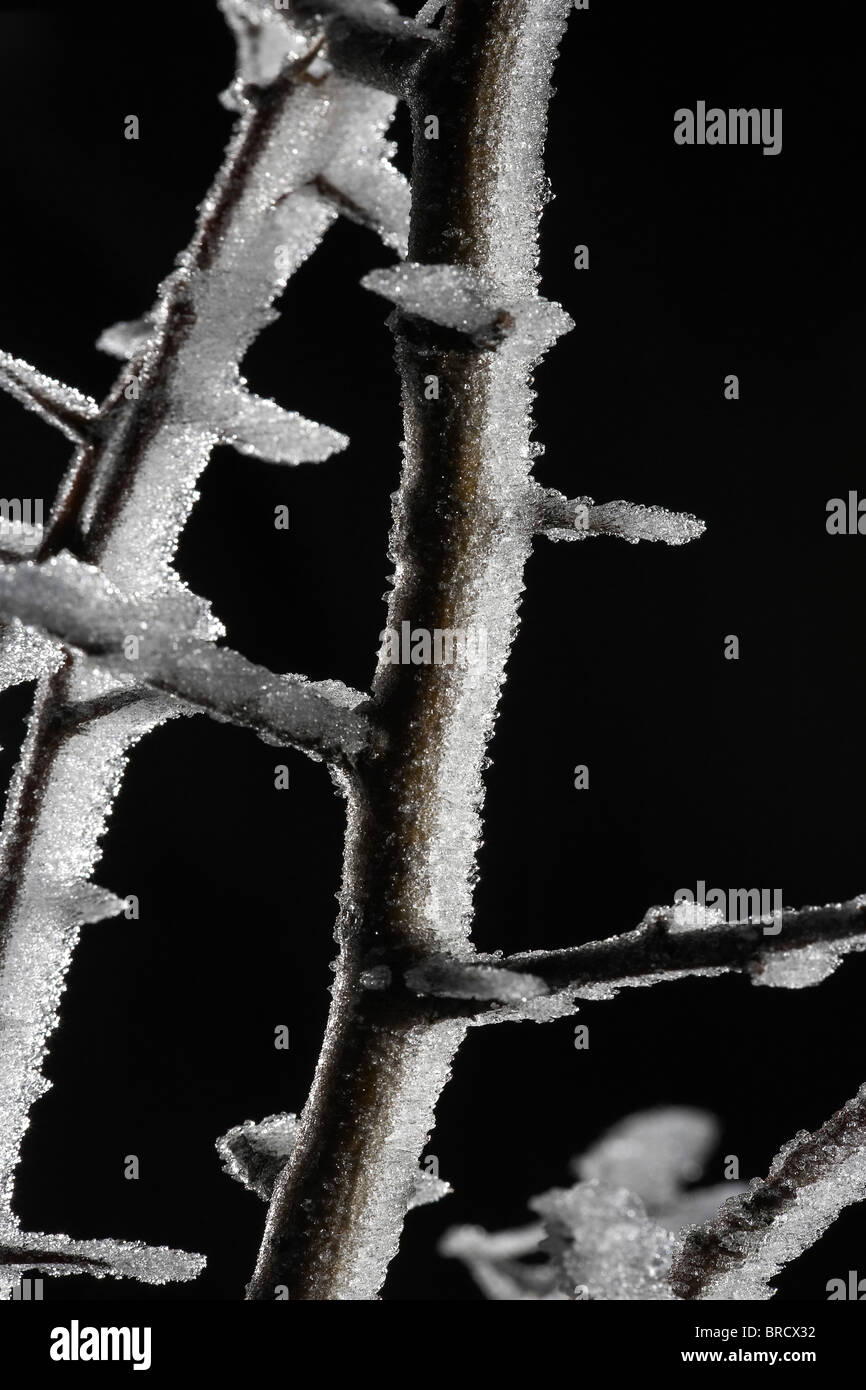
262,429
428,1188
638,523
573,519
798,969
460,298
686,915
429,10
25,655
128,339
255,1153
360,176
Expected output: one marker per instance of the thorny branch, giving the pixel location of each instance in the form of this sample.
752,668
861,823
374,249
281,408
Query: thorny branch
129,491
309,146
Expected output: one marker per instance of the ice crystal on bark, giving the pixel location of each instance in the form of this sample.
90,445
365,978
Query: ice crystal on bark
263,430
428,1188
25,655
575,518
126,339
800,969
256,1152
685,915
458,297
637,523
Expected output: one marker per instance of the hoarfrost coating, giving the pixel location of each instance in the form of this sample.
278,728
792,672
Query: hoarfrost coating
98,615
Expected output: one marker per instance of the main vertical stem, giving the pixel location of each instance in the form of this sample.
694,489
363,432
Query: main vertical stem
461,536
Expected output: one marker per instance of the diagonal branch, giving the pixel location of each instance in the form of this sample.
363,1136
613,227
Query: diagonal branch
811,1180
69,410
129,491
125,503
74,604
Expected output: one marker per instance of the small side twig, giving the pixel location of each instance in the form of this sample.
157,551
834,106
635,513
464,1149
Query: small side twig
74,604
572,519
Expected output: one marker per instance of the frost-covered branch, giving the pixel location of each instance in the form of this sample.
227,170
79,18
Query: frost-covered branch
463,530
58,405
811,1180
797,949
118,644
73,603
55,1255
562,518
130,489
316,717
800,947
631,1229
125,504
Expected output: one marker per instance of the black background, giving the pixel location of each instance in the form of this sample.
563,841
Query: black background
703,262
